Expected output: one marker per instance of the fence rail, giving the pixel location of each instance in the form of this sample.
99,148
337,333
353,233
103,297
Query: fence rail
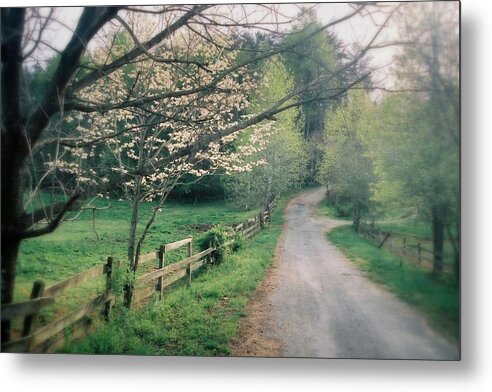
415,252
24,308
35,338
74,281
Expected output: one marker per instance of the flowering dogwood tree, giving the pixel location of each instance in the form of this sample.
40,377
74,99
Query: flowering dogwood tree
137,139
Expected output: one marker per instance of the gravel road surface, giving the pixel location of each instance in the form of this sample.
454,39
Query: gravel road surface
323,306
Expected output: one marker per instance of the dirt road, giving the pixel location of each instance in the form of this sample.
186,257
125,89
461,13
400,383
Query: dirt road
322,306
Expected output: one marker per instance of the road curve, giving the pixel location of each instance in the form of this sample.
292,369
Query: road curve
325,307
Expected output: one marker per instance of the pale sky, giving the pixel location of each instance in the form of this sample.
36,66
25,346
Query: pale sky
349,31
355,30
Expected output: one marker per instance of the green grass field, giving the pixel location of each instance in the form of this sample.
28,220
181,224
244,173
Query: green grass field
438,299
197,320
74,246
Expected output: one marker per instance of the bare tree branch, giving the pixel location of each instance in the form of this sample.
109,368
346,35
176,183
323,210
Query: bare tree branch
67,206
37,41
92,19
158,59
75,103
109,68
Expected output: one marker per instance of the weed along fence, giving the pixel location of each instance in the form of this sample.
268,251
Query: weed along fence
30,335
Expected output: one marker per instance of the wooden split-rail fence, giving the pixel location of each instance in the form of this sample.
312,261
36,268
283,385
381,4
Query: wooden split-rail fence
43,338
407,248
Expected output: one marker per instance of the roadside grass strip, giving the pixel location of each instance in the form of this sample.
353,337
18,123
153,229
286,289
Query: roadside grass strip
437,298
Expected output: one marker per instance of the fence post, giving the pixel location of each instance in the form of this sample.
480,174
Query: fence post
108,268
262,222
188,268
209,256
386,236
128,293
36,292
419,251
161,254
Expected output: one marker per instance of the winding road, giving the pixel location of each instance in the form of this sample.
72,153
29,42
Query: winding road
323,306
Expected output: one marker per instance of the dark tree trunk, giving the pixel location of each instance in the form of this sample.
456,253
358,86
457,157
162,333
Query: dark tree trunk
13,164
457,251
437,240
131,248
132,239
10,249
19,134
455,242
356,217
307,127
456,267
132,235
14,150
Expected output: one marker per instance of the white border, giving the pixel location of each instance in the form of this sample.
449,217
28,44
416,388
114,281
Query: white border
139,374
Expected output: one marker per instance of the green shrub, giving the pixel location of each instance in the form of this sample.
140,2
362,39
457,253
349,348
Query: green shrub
343,211
216,237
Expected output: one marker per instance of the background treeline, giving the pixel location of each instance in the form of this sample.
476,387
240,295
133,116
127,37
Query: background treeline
397,158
